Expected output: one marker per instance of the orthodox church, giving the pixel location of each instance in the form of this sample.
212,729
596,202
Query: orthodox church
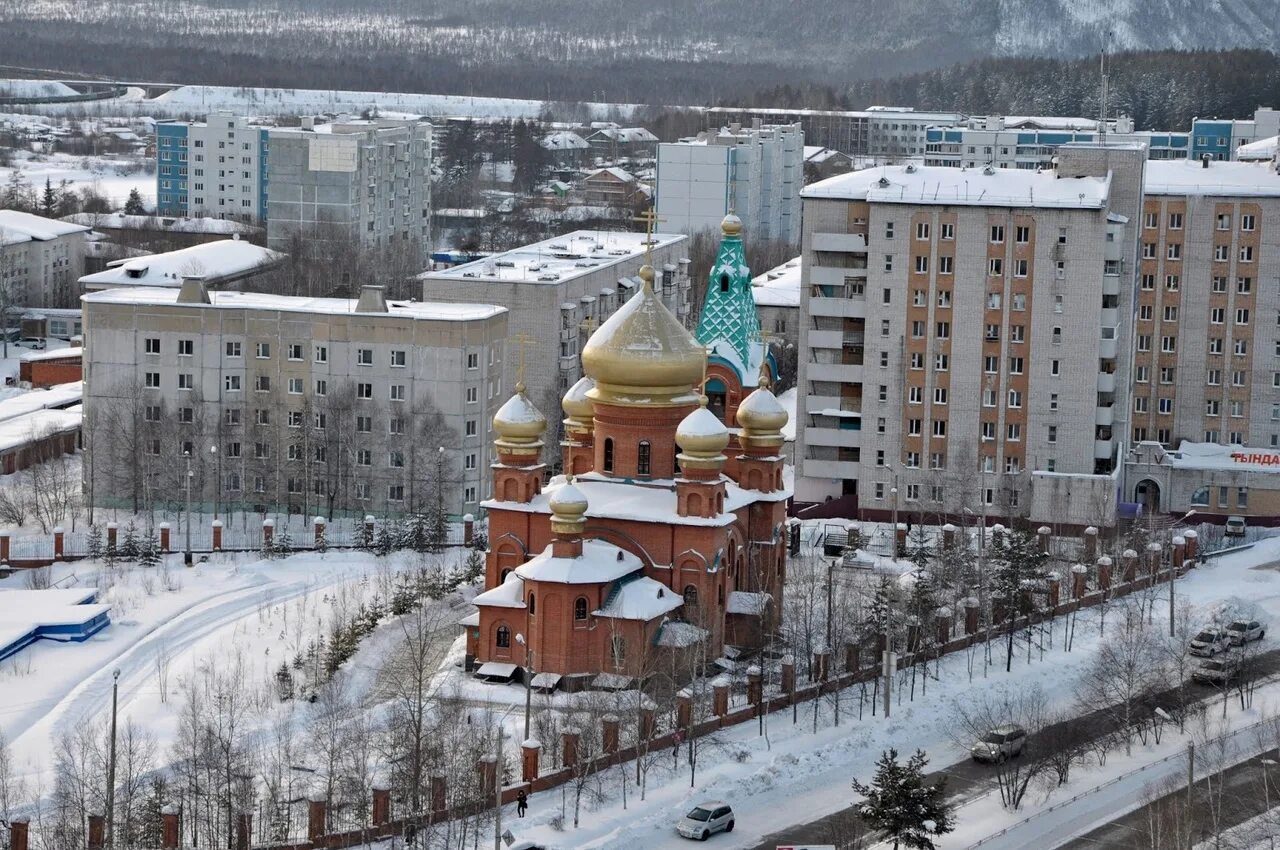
666,533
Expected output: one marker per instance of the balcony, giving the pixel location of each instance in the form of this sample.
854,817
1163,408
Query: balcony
843,308
1109,318
826,339
1110,284
834,372
1107,345
830,469
823,436
1103,449
1106,382
1105,416
846,242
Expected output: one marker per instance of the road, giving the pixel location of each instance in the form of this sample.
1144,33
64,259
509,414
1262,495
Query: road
965,779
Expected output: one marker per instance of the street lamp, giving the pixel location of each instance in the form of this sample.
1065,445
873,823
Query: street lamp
497,785
190,475
111,759
1266,791
528,680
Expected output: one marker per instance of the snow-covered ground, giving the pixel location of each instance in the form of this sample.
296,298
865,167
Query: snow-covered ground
102,174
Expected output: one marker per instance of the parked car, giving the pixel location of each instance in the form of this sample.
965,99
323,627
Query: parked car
1243,631
705,819
1216,671
1001,743
1235,526
1209,643
32,342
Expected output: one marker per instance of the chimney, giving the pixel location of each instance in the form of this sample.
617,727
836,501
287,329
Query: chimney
193,290
373,299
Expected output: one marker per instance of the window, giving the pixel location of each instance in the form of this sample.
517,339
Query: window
995,267
1168,344
993,300
1165,406
1139,404
395,459
946,265
939,427
186,415
1150,220
1219,283
322,387
943,330
1241,347
264,350
1212,407
233,349
1244,285
1015,398
914,427
580,609
922,230
915,395
1217,315
1173,251
1052,436
1246,253
922,267
186,381
990,364
1142,374
1166,374
395,426
1144,342
295,351
1238,377
1171,282
888,262
397,392
473,361
1175,221
472,395
263,417
888,230
186,347
1019,302
1017,333
884,327
1247,222
364,356
1171,314
880,425
1242,315
1013,431
1148,250
151,380
939,395
1020,268
1022,234
1224,221
913,460
1012,466
322,354
295,386
262,383
988,398
399,358
231,383
1015,365
643,458
883,394
947,231
988,430
941,362
364,424
997,233
1221,253
608,454
1148,281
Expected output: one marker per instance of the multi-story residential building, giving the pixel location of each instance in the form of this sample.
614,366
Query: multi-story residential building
963,338
1206,362
40,260
215,168
1032,142
560,290
312,405
755,172
890,132
360,181
1221,138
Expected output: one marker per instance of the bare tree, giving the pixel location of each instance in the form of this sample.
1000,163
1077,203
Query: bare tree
1023,706
1127,669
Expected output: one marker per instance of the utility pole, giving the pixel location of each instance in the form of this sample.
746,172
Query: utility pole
890,662
1191,769
497,795
187,555
831,565
111,761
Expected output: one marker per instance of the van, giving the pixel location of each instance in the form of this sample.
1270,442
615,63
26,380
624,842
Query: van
1235,526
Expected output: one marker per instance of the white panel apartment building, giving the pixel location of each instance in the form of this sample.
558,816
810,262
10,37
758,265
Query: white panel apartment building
40,260
216,168
756,172
368,181
963,338
315,405
559,291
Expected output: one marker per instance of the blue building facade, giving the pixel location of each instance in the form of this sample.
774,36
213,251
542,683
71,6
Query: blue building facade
1215,139
216,168
172,197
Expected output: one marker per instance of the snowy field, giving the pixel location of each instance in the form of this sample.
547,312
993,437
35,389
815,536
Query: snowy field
104,175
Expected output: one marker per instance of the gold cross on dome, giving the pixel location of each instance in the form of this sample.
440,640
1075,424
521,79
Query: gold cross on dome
649,217
521,340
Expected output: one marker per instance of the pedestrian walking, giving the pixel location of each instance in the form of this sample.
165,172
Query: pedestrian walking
411,836
522,803
676,740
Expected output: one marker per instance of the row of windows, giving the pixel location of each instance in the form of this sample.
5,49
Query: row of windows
947,232
937,492
232,417
1151,220
296,351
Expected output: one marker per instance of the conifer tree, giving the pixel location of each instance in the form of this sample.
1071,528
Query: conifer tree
134,205
900,803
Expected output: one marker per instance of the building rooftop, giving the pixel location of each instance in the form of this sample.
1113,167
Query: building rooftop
556,260
879,112
24,430
18,227
163,224
225,258
422,310
1189,177
989,187
1263,149
1213,456
60,396
778,287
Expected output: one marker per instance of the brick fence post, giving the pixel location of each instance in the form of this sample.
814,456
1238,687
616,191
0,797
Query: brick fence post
900,540
942,623
569,741
1193,543
217,535
648,723
369,522
438,787
97,832
268,532
948,535
971,611
381,806
1043,535
755,686
997,535
244,830
1054,583
852,657
487,767
789,675
165,531
609,725
468,529
59,539
317,530
1079,580
1104,573
720,696
1091,544
18,833
170,828
530,753
1179,557
1153,558
317,813
113,531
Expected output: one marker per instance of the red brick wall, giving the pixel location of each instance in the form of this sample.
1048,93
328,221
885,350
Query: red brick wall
48,373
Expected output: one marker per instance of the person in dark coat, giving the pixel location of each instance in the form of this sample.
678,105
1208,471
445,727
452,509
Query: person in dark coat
411,835
522,803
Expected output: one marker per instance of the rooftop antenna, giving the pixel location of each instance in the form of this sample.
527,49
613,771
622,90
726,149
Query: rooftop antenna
1102,101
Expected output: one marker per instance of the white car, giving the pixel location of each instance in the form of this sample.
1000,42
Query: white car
1235,526
1243,631
705,819
32,342
1209,643
1216,671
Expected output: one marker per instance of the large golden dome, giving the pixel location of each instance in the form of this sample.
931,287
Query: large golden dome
519,423
762,416
701,434
642,355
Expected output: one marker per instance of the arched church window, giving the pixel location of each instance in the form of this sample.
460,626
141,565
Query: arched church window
608,454
504,637
580,609
724,283
532,605
690,595
643,458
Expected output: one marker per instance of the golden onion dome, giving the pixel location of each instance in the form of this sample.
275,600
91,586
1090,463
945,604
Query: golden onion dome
642,355
575,403
568,508
761,414
518,420
701,434
731,226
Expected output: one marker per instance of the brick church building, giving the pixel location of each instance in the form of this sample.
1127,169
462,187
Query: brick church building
666,534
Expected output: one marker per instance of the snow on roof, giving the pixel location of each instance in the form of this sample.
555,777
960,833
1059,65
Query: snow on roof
818,155
24,227
599,562
1051,122
18,432
53,354
625,134
556,260
676,633
1212,456
60,396
422,310
1189,177
995,187
214,261
614,498
778,287
509,594
643,599
614,172
742,602
167,224
56,614
1262,149
788,402
564,141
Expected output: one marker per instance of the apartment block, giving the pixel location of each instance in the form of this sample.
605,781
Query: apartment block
559,291
288,404
361,181
1032,142
40,260
1221,139
963,338
1206,363
891,132
755,172
215,168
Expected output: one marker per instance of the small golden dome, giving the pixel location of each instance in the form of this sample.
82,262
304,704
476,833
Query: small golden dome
701,434
731,226
761,414
575,403
642,355
568,508
519,422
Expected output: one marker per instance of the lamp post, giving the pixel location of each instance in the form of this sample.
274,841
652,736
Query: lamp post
1266,791
187,555
528,680
111,759
497,787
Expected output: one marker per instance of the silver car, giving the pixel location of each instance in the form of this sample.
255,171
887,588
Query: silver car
706,819
1000,744
1209,643
1243,631
1216,671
